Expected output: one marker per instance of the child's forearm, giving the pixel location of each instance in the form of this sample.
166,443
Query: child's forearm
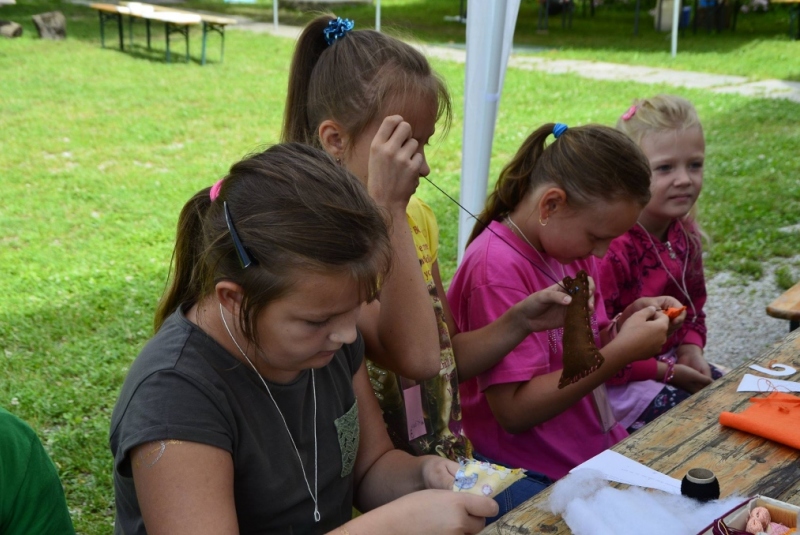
477,351
395,474
520,406
404,335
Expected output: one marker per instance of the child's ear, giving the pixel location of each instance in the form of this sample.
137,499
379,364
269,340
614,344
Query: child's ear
332,138
230,295
553,200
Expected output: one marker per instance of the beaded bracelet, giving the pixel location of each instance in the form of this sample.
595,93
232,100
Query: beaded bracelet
670,373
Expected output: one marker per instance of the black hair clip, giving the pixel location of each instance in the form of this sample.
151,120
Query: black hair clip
241,251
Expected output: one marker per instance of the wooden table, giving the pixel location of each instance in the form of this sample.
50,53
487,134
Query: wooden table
690,436
175,21
787,305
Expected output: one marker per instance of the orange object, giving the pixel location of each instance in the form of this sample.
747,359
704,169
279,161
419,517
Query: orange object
774,417
673,313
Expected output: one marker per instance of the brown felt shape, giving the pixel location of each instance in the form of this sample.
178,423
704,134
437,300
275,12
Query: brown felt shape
581,356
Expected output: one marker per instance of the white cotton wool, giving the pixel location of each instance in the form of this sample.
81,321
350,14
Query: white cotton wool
591,506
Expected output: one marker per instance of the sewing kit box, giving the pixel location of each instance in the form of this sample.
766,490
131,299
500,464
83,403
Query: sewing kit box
734,522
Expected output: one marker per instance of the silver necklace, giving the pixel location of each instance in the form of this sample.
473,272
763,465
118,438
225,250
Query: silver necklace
314,388
521,235
681,285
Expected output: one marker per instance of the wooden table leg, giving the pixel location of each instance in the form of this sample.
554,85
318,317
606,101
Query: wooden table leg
205,35
121,33
102,30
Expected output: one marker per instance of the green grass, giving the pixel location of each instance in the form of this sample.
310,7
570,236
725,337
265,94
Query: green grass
759,48
101,149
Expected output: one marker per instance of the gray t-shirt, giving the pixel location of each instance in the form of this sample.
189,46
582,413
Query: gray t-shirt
184,386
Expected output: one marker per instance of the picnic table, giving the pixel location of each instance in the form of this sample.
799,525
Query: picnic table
787,305
175,21
690,436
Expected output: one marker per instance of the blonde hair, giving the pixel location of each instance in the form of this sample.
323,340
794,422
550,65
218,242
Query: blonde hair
663,113
657,114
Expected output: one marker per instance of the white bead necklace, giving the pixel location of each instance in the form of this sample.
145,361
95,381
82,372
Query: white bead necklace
521,235
681,285
314,388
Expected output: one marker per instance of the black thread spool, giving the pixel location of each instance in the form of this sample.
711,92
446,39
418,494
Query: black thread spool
700,484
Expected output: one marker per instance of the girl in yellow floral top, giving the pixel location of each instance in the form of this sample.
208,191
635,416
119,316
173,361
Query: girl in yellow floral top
372,102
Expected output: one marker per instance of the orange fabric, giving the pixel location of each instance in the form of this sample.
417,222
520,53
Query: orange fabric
776,417
673,313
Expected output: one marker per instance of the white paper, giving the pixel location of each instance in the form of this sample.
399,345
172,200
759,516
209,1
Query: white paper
754,383
776,370
616,467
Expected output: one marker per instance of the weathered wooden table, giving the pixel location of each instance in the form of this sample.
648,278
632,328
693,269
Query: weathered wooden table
690,436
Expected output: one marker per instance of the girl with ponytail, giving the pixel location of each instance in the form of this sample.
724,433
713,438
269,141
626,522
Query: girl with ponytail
555,207
250,410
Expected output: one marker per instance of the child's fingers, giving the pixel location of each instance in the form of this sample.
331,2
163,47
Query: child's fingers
387,128
480,506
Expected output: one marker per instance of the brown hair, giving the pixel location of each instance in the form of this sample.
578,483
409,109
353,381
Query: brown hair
588,162
295,211
354,81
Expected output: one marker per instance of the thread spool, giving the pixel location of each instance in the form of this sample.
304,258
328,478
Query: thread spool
700,484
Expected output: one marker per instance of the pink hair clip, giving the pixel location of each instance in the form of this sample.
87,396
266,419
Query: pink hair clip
630,113
214,193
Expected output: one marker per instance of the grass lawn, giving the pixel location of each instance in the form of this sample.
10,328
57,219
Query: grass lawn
759,48
100,149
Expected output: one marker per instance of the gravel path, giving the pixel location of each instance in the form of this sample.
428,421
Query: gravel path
738,325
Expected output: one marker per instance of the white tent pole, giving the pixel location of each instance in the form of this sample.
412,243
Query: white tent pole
275,13
490,31
378,16
676,15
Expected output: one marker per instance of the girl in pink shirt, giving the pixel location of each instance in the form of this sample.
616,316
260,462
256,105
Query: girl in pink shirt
554,208
662,255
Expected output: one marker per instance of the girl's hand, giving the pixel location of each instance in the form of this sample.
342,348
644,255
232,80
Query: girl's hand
445,512
643,333
662,302
689,379
394,164
438,472
692,356
544,309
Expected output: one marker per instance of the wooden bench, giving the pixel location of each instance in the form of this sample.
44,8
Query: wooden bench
175,21
787,307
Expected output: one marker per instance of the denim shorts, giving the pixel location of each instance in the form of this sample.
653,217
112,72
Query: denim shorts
532,484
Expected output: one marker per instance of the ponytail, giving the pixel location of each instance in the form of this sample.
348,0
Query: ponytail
514,182
310,46
589,163
361,77
185,283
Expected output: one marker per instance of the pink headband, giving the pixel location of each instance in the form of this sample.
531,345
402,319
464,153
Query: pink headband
214,193
630,113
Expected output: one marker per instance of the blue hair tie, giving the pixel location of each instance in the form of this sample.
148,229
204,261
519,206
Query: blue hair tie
337,29
559,129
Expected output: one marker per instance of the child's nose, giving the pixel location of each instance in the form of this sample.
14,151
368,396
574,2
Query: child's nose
424,169
344,334
682,176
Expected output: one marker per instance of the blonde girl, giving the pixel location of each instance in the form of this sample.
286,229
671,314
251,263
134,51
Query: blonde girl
554,209
662,255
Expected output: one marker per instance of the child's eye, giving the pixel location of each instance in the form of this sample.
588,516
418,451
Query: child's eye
317,323
664,168
696,165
